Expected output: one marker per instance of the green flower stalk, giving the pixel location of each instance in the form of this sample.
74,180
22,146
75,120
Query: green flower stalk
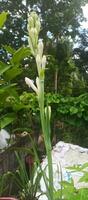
37,47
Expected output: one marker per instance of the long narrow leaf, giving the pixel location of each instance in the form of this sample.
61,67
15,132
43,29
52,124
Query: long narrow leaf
3,17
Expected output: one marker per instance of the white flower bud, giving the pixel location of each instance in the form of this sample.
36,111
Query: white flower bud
30,23
40,48
38,62
48,111
30,45
38,25
30,83
33,32
43,62
34,16
38,84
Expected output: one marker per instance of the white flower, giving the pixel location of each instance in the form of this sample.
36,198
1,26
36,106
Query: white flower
40,48
38,84
30,23
43,62
34,15
30,83
33,32
30,45
38,62
33,37
34,21
38,25
48,111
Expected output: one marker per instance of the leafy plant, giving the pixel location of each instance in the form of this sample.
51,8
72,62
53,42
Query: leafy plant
3,17
27,187
9,71
4,184
69,192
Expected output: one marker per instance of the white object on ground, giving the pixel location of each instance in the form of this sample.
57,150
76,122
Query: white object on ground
4,137
65,155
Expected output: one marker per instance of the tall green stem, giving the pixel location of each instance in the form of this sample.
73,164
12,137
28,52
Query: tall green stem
47,140
36,46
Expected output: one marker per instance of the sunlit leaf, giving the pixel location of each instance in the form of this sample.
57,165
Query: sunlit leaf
20,54
6,120
3,67
3,17
12,73
9,49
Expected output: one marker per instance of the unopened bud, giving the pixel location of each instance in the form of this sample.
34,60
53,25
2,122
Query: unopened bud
38,25
38,62
30,22
43,62
48,111
30,83
33,32
40,48
38,84
30,45
34,16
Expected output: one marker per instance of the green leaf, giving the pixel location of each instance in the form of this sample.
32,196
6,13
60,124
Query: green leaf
7,119
9,49
12,73
3,17
20,54
6,88
85,165
73,110
83,194
75,168
3,67
84,178
69,190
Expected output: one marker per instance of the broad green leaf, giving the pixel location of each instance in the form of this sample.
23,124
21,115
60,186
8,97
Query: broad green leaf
85,165
12,73
84,178
9,49
7,119
6,88
20,54
3,17
3,67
